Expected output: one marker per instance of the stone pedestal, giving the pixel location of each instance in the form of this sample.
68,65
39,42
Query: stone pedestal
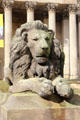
23,106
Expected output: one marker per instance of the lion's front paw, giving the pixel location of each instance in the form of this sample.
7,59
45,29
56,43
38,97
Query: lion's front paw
62,87
64,90
47,88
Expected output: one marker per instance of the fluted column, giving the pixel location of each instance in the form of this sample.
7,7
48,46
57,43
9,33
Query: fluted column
30,10
8,30
52,16
66,45
73,42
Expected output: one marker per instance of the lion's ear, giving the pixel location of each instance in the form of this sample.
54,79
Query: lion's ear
24,36
52,33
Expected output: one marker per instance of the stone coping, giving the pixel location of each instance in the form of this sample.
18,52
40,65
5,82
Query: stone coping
53,1
52,102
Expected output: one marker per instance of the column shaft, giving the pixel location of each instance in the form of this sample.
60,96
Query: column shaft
30,10
52,16
66,47
8,33
30,15
73,45
52,20
7,4
79,44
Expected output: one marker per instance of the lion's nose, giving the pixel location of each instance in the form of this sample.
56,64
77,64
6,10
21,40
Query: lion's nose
44,45
45,49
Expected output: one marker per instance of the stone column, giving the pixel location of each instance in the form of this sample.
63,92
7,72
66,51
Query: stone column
30,10
73,42
66,45
79,44
79,35
7,31
52,16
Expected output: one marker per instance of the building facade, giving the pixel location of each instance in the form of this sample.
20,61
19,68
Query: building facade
62,16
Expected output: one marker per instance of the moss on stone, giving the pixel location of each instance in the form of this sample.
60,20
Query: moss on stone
4,86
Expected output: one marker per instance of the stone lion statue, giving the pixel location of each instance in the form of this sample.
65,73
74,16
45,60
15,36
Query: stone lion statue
36,61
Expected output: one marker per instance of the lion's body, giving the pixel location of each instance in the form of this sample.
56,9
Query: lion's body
36,60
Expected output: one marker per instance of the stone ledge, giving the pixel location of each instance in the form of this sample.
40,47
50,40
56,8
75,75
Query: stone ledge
52,1
22,106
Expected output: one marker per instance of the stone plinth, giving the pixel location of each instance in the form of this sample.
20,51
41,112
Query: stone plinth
29,106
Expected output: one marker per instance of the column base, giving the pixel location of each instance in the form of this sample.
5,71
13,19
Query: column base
74,76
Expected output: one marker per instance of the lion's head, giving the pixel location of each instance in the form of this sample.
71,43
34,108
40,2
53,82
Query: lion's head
34,45
40,44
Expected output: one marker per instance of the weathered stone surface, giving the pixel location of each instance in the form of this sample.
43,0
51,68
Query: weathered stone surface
41,86
62,87
33,107
36,60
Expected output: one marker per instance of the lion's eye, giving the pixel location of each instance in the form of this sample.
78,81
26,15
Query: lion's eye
35,39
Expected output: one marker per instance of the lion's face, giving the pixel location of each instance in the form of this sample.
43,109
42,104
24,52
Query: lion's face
40,43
